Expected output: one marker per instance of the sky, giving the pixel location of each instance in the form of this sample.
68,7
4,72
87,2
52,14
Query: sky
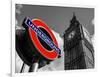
58,18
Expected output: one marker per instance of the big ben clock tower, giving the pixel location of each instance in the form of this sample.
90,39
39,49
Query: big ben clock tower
79,53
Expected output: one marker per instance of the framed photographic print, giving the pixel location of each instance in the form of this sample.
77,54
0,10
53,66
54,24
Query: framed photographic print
48,38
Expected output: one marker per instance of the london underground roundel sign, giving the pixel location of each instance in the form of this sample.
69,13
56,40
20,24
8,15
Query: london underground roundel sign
43,38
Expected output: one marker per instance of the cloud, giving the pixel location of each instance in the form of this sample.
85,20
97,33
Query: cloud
18,8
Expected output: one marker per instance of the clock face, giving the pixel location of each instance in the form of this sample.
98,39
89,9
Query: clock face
71,35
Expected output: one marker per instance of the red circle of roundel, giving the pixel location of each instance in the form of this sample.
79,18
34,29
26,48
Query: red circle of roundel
51,55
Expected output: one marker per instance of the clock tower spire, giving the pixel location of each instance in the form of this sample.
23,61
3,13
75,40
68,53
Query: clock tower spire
74,21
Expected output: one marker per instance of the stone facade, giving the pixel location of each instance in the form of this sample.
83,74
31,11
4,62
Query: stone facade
78,48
